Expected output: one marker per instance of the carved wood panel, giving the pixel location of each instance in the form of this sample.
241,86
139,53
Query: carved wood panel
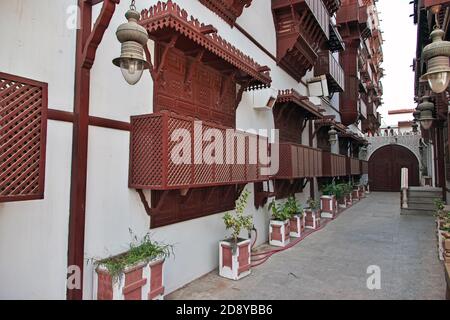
190,88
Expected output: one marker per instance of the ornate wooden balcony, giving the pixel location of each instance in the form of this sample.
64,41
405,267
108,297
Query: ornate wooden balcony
229,10
356,17
170,27
353,167
329,66
298,161
336,43
334,165
302,27
364,167
161,157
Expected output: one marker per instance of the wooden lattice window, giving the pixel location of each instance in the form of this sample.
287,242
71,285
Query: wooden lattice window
23,132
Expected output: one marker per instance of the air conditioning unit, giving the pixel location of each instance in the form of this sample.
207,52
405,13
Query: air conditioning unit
265,99
318,87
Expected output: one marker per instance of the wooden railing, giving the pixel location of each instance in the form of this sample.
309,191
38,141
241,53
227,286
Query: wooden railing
364,167
353,166
329,66
321,14
158,161
299,161
334,165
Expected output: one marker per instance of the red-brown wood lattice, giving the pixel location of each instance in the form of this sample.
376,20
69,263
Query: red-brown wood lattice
23,132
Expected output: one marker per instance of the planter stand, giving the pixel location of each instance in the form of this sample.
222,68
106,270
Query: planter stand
279,233
329,207
140,282
343,203
349,200
355,196
297,224
235,264
444,245
362,192
312,219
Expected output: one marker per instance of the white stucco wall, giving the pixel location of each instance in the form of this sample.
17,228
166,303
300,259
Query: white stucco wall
33,235
36,232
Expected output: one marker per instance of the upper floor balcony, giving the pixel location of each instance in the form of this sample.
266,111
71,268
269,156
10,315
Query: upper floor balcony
333,165
353,166
357,17
302,27
298,161
329,66
170,151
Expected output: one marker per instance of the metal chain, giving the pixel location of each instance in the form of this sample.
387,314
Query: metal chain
133,5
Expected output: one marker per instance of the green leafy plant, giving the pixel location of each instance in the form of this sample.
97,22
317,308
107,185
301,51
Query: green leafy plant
237,221
333,189
144,250
279,212
313,204
293,207
439,204
347,188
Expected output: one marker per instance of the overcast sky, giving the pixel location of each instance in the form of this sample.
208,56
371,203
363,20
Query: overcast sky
399,52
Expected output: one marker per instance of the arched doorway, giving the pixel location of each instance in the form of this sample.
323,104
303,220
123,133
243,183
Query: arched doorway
385,167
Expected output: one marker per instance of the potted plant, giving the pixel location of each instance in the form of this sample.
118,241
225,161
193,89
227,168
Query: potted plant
342,195
362,191
297,220
279,230
328,201
235,252
312,214
136,274
443,229
347,199
356,195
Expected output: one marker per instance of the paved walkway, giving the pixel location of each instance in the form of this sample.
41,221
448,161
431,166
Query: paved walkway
332,263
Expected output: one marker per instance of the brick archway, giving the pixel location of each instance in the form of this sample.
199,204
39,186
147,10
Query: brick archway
385,166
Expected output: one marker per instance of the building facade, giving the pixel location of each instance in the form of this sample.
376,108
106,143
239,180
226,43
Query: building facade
86,157
428,15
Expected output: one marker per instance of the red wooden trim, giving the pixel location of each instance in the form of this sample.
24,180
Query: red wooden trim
109,123
59,115
66,116
86,45
401,111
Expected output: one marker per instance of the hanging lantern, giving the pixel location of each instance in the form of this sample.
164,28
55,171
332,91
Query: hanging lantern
426,108
333,136
437,55
133,38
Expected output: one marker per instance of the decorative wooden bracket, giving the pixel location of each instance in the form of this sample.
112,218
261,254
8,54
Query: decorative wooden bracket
240,93
305,123
96,35
147,207
156,73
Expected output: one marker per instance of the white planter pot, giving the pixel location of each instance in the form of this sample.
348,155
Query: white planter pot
143,281
297,225
328,206
235,263
279,233
312,219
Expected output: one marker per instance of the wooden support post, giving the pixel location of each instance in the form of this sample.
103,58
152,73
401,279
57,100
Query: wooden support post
86,45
